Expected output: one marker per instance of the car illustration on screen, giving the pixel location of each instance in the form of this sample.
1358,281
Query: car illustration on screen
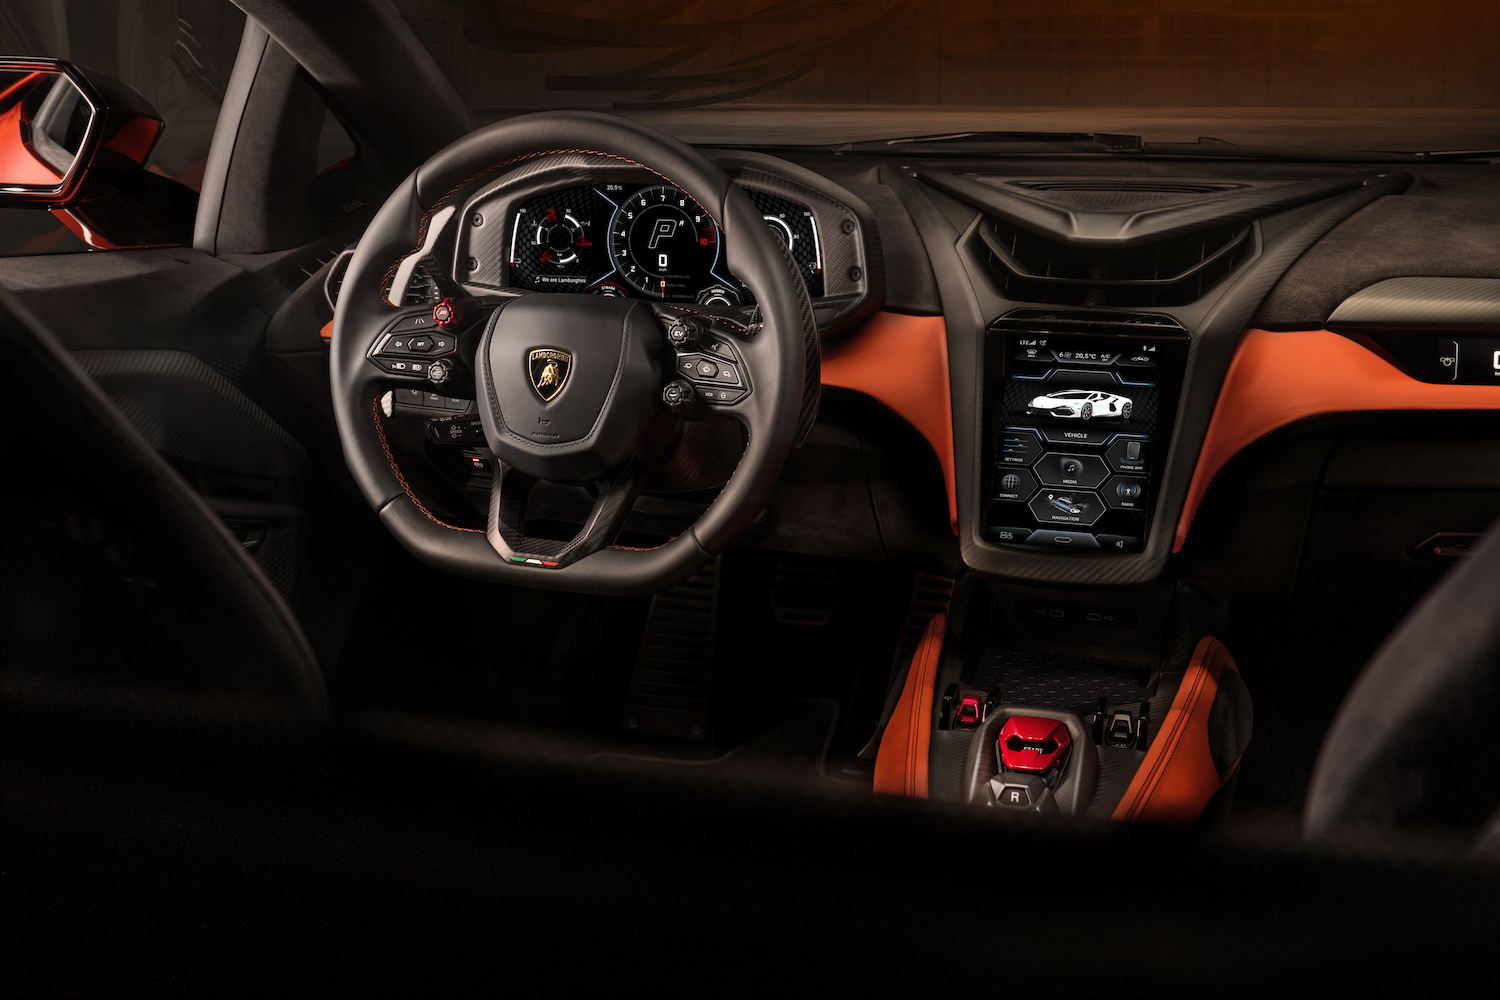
1081,404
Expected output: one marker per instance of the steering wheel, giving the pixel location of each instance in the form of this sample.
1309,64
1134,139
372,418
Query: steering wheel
598,417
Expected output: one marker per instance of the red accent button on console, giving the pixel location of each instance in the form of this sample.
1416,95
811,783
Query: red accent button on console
1033,745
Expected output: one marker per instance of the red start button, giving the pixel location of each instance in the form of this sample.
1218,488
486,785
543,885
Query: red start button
1033,745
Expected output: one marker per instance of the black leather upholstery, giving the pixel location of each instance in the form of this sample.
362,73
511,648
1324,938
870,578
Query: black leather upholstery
1414,743
117,573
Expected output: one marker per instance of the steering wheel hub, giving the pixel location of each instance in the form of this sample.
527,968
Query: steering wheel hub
567,383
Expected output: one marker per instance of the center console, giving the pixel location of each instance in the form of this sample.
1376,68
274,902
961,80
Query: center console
1079,410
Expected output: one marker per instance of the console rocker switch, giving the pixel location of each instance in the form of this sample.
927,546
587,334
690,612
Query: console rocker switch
970,715
1127,729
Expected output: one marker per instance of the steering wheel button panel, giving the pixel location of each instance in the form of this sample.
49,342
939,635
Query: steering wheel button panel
415,322
397,366
400,349
713,377
723,397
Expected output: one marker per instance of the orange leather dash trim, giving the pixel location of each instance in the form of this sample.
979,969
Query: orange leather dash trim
902,361
901,764
1178,777
1277,379
327,332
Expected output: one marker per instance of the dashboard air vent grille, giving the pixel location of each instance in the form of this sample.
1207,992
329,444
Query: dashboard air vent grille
1168,272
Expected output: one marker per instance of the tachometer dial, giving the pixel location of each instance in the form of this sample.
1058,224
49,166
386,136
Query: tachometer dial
662,243
558,237
556,243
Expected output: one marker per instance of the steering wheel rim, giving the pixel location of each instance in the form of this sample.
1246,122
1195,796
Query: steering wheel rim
781,358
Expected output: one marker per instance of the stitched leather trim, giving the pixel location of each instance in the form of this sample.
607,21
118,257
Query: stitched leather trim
391,458
1279,378
902,362
1178,777
901,765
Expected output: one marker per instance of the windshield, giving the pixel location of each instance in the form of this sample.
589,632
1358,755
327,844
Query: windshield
1353,75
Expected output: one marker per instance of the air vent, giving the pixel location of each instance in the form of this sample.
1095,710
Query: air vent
1169,272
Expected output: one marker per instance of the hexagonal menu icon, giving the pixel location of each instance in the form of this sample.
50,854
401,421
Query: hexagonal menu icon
1064,506
1083,471
1012,484
1126,493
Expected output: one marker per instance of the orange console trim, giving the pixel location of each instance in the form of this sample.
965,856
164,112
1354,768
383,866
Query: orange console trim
1178,778
1277,379
901,764
902,361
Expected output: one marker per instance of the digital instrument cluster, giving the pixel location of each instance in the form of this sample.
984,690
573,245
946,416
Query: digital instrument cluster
645,241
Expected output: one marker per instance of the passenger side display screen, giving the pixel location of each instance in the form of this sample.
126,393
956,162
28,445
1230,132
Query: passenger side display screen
1082,424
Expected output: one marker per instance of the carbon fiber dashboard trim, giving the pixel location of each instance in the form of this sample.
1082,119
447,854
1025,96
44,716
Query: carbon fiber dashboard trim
1422,303
1214,324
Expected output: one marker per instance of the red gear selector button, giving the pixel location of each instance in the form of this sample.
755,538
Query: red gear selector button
1033,745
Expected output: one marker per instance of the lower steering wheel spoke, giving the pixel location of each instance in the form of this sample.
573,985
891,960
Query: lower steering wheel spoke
616,498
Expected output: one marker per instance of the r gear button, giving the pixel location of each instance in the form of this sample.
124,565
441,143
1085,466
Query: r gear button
1015,796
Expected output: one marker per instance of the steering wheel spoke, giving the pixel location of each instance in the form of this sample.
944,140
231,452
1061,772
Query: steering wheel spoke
512,489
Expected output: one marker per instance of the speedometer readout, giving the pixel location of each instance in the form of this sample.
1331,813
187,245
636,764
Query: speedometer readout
662,243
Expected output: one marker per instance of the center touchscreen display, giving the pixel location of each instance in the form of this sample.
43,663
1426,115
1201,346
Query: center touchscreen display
1079,434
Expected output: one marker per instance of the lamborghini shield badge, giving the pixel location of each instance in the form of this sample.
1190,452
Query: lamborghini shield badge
549,372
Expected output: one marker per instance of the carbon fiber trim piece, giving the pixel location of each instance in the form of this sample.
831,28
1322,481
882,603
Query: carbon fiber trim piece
1422,303
187,410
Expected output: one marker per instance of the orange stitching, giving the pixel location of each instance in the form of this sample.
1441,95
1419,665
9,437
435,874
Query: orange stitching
380,430
422,231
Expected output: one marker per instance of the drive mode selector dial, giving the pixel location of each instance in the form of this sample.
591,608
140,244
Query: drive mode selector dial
662,243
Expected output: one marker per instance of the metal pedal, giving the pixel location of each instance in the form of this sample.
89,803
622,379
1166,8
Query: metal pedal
669,688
